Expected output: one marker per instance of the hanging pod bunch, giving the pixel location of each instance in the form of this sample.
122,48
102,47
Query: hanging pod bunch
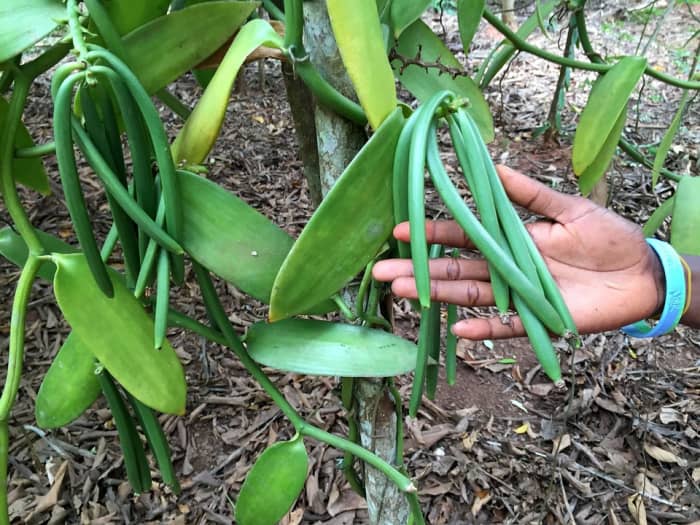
518,272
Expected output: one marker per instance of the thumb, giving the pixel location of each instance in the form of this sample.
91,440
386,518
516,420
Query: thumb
538,198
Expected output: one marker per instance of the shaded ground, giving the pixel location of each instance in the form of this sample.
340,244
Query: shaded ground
485,451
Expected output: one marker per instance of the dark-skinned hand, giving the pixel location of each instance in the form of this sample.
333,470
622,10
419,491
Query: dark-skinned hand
607,273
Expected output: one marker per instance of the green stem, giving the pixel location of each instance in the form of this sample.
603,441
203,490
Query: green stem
38,150
274,11
176,318
7,183
302,427
636,155
14,370
344,308
520,44
175,104
76,29
294,26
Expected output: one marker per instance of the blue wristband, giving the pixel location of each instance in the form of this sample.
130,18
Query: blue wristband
675,294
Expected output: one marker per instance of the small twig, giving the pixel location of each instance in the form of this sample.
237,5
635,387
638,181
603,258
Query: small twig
443,69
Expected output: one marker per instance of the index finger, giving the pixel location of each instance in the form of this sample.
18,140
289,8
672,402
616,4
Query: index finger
447,233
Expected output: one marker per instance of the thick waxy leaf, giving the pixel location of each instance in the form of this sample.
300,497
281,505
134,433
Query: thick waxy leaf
597,168
468,17
685,224
273,484
667,141
29,172
423,84
119,333
233,240
127,15
345,232
199,133
69,387
658,217
405,12
600,117
359,36
308,346
165,48
25,22
14,249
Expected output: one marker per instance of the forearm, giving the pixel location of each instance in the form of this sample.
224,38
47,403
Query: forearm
692,316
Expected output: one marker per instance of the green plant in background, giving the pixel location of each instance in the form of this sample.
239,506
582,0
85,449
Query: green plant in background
164,213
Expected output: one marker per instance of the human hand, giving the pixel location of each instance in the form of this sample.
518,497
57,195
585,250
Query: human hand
608,275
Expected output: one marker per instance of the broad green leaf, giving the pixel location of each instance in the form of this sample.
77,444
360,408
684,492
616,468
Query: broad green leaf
507,49
606,102
233,240
69,387
346,230
423,84
685,224
127,15
119,333
667,141
308,346
657,218
199,133
405,12
29,172
359,36
165,48
25,22
273,484
468,17
14,249
597,168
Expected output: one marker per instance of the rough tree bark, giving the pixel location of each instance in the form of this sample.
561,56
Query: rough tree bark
338,141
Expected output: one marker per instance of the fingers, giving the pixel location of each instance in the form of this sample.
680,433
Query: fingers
463,293
492,328
446,269
447,233
540,199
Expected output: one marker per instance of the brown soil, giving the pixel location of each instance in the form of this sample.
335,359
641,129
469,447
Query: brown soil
485,450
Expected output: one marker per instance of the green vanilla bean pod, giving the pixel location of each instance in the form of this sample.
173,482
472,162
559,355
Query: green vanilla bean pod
500,259
416,186
97,129
503,210
150,257
451,346
120,193
472,168
540,341
159,139
139,146
162,299
135,461
433,366
421,363
550,287
400,181
62,120
157,442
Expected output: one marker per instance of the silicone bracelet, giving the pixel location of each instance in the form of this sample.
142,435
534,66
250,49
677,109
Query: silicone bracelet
675,294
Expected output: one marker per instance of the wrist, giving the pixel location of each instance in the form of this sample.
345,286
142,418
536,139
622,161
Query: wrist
659,279
674,296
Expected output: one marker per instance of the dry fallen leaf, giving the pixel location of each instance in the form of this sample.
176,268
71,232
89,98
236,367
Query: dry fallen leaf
481,498
635,504
663,455
644,485
561,443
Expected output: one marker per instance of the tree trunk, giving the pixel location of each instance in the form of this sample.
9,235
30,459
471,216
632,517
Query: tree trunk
338,141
